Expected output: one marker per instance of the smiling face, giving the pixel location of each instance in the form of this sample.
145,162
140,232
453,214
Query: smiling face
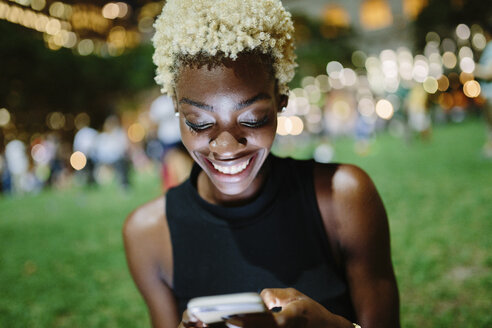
228,119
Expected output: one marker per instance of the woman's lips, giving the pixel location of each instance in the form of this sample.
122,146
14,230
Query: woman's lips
229,171
233,169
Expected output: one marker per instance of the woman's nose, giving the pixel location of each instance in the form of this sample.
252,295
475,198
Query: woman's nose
226,145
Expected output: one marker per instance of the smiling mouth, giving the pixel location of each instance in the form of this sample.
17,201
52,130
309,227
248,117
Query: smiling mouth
235,169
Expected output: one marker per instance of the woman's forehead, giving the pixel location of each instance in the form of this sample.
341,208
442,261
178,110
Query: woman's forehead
243,77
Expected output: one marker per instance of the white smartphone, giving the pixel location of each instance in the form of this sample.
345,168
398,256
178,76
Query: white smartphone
213,309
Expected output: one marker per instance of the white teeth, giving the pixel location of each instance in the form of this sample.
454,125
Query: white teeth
232,169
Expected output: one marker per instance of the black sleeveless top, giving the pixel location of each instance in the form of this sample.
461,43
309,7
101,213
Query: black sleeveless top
276,241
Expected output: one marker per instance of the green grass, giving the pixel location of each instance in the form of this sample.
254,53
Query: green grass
62,262
438,195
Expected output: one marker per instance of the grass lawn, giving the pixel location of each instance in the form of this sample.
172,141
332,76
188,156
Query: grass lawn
62,262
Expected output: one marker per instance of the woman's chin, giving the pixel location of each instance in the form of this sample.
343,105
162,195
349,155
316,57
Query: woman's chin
237,185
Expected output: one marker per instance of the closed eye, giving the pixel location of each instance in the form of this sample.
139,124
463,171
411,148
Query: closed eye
198,127
255,124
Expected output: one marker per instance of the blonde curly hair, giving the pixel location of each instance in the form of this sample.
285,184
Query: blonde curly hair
223,29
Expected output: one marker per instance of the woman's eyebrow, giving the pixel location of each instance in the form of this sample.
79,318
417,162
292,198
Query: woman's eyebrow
246,103
239,106
196,104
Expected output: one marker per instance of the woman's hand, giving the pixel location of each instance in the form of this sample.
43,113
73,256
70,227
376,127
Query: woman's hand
300,311
190,321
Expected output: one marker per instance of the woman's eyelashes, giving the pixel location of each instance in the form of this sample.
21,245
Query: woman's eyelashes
198,127
255,123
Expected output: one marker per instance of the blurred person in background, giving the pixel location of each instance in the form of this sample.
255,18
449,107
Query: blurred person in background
419,119
111,149
483,71
59,153
174,159
85,142
17,164
247,220
5,179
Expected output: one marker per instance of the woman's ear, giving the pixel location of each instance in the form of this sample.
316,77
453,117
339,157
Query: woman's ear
175,103
283,101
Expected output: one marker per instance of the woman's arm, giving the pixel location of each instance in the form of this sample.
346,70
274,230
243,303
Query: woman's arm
357,226
149,256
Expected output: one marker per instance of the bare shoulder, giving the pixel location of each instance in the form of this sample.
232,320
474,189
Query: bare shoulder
349,202
146,218
346,180
146,235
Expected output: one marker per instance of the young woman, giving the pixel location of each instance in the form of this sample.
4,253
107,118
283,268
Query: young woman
312,238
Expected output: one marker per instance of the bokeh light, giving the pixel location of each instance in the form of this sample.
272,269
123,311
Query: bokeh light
85,47
467,65
123,9
333,69
60,10
289,125
366,107
78,160
432,37
465,77
448,45
314,95
307,80
53,26
375,14
322,82
463,31
110,10
314,116
359,58
136,132
446,101
430,85
145,24
341,109
449,59
348,77
405,63
465,52
420,69
82,120
4,117
479,41
40,154
55,120
443,83
324,153
384,109
471,89
282,126
297,125
38,4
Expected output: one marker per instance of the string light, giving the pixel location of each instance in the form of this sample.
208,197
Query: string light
65,21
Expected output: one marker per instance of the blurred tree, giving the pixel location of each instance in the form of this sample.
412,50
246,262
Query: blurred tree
35,80
317,44
442,16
